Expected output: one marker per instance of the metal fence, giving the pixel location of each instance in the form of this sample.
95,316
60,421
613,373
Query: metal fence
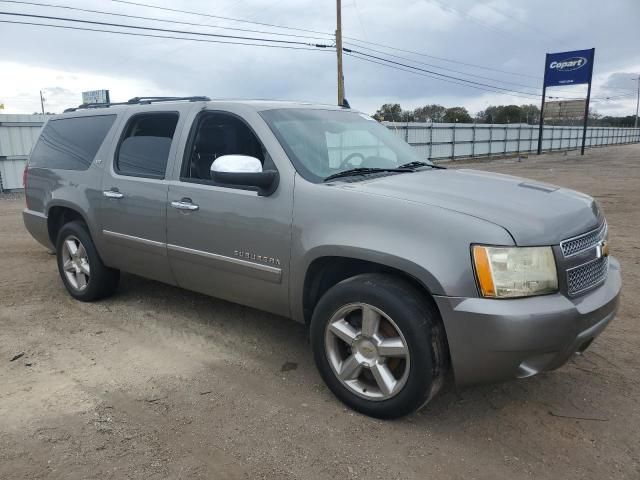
18,133
447,141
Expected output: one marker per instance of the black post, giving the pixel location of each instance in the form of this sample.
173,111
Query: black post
586,106
544,93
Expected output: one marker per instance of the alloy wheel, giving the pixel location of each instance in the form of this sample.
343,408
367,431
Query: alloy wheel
367,351
75,263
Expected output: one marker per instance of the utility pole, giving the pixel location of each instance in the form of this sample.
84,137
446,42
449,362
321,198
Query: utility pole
41,102
339,52
635,125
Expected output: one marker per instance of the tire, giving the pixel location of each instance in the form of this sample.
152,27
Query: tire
84,275
345,344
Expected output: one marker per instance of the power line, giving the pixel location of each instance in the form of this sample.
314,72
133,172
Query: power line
250,39
442,59
471,18
448,69
618,97
437,73
252,31
452,79
537,89
191,12
437,78
281,43
120,32
163,20
182,32
146,5
522,22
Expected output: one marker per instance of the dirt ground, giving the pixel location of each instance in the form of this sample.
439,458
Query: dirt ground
158,382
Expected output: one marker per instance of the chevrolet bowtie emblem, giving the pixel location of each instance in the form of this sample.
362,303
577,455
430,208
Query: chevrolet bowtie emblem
602,250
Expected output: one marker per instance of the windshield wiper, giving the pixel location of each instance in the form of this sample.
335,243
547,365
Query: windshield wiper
364,171
418,164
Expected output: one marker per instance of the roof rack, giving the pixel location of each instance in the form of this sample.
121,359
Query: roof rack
139,101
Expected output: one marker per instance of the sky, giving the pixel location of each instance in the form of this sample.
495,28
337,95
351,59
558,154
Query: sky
508,39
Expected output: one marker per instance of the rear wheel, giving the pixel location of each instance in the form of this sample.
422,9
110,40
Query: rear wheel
379,345
81,269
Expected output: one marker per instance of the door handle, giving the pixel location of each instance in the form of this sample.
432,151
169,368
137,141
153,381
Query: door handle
184,204
112,194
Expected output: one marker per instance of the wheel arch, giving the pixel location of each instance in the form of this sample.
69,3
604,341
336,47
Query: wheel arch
58,215
325,271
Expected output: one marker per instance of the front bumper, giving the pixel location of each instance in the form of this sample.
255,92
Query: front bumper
492,340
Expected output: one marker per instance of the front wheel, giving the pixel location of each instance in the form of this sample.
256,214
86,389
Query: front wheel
81,269
379,345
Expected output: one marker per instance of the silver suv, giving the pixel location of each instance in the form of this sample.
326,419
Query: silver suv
404,271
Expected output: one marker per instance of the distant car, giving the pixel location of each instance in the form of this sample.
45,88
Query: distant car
403,270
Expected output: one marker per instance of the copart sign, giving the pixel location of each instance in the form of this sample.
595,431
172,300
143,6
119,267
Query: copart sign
568,68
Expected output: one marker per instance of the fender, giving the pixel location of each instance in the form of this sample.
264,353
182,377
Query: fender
81,200
428,243
420,274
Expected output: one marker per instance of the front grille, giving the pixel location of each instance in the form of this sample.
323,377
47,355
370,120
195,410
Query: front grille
575,245
589,275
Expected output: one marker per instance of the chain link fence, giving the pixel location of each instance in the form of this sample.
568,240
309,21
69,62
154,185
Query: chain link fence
448,141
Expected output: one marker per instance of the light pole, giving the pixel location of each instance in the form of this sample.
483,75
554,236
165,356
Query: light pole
339,52
635,124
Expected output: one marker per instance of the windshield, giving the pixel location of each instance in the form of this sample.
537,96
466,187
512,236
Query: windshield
321,143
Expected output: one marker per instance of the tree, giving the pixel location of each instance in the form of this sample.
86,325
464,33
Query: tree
530,114
509,114
429,113
488,115
609,121
457,114
389,112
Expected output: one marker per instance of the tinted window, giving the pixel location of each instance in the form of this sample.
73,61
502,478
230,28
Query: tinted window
218,134
144,148
70,143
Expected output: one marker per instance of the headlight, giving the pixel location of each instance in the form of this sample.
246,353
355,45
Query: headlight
508,272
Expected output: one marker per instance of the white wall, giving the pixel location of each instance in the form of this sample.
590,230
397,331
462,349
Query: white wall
18,134
11,172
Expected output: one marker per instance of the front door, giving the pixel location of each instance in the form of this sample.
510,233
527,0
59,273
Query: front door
134,203
228,242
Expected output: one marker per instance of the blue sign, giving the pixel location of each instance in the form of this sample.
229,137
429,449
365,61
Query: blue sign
568,68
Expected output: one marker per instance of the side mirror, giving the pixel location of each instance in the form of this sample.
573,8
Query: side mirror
243,170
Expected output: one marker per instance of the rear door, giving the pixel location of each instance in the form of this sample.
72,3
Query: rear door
229,242
134,202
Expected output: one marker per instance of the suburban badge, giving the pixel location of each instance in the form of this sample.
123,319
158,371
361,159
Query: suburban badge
257,258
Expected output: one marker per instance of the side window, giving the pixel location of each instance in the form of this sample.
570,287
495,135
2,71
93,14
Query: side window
70,143
145,144
215,135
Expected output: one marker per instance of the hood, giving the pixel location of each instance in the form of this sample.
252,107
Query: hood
534,213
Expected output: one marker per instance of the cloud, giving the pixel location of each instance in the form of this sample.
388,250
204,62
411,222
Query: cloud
621,82
495,33
20,87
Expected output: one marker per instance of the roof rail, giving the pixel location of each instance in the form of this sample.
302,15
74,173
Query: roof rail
139,101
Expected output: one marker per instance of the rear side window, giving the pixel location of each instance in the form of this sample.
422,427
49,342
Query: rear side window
70,143
144,147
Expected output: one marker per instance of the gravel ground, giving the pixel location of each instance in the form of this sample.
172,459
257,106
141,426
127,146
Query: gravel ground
158,382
